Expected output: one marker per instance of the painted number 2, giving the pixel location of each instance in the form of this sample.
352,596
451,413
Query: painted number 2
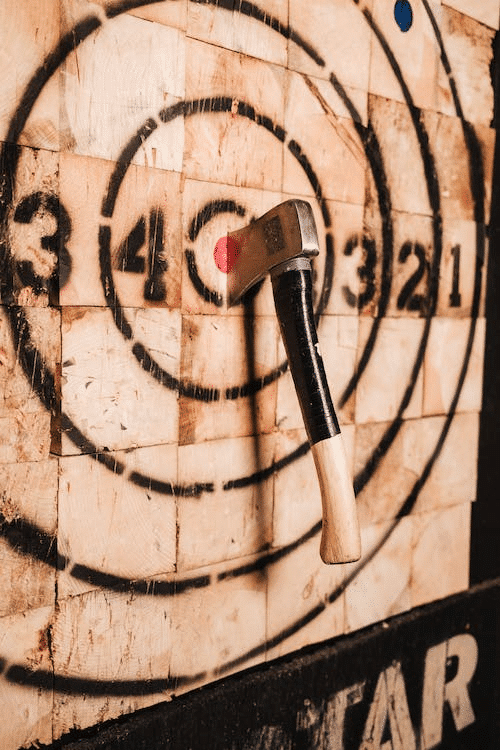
407,299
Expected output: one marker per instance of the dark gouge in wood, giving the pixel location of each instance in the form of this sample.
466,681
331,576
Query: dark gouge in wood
281,243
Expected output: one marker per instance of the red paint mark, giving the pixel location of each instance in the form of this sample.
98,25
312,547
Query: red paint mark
226,251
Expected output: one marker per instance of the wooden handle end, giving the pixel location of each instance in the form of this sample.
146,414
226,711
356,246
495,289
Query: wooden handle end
340,539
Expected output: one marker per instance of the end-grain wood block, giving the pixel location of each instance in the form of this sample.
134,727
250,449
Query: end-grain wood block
235,137
300,584
402,158
112,652
392,369
28,35
170,14
486,12
233,516
25,436
224,365
219,628
453,480
297,498
469,49
416,53
121,76
394,262
395,473
450,146
142,254
412,264
122,523
382,587
211,23
440,553
340,35
24,649
73,12
459,269
28,524
445,358
83,186
146,239
110,389
321,132
454,467
25,381
34,224
242,28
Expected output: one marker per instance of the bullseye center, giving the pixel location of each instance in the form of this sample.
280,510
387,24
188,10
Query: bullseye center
225,253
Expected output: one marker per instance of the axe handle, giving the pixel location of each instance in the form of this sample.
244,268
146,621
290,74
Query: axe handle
292,288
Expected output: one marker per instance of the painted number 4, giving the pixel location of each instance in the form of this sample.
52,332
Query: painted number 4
128,258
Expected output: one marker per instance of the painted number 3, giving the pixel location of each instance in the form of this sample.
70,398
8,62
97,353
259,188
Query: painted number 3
47,271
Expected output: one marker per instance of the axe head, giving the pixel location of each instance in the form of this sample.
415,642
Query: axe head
285,232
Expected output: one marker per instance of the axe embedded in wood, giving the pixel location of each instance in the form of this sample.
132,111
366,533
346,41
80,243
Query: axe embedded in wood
281,243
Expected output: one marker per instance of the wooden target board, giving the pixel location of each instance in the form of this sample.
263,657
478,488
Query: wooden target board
159,505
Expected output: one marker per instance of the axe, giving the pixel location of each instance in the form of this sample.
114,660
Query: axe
282,242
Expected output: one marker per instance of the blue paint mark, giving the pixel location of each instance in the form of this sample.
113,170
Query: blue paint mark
403,14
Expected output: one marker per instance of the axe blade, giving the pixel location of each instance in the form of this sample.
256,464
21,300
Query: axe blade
286,231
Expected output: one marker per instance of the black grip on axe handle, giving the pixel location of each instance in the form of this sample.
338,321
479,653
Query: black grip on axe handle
292,288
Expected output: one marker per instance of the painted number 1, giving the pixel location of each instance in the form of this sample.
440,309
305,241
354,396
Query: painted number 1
455,296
